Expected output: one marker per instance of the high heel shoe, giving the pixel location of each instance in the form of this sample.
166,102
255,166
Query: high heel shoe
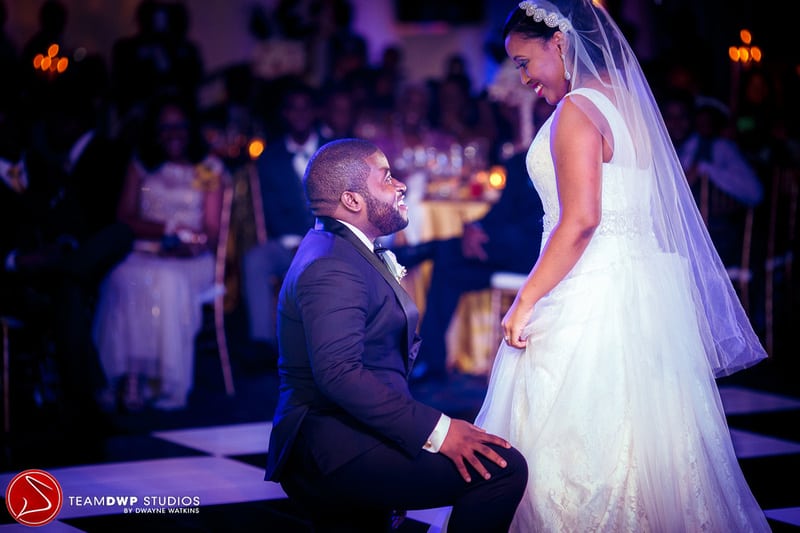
131,399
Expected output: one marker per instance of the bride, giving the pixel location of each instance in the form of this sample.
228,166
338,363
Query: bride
605,380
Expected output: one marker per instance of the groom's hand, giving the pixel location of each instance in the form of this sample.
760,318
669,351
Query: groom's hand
464,442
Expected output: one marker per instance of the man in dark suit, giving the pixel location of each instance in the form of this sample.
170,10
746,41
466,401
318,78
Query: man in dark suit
349,442
53,257
91,171
286,215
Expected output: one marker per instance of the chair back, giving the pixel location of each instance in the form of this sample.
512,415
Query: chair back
220,269
715,204
781,244
258,204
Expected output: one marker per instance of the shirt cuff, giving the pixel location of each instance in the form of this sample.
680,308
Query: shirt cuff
436,438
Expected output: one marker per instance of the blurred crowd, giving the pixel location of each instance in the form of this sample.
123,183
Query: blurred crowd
112,170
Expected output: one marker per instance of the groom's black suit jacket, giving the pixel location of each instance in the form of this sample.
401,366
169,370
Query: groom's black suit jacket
346,332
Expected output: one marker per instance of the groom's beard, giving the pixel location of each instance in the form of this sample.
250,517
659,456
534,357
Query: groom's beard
384,215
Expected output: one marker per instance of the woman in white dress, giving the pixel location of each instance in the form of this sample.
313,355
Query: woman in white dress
605,380
150,309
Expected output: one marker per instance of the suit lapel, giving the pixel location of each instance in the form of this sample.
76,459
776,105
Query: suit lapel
408,305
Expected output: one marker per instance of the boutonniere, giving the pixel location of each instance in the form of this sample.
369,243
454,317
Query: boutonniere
390,260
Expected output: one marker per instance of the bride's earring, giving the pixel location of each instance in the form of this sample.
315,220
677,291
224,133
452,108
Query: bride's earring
567,75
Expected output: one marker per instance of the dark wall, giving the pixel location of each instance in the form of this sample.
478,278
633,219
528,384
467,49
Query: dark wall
450,11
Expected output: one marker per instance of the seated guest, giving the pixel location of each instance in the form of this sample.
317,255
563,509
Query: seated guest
409,135
149,310
286,215
506,239
415,149
709,153
349,443
338,114
696,127
54,252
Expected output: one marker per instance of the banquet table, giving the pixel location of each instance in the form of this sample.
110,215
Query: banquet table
470,333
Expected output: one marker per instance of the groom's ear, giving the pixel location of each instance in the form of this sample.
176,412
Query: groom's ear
352,201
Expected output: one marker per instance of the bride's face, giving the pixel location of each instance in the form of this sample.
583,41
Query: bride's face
540,65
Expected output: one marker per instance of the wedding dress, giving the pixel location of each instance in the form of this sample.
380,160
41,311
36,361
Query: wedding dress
613,401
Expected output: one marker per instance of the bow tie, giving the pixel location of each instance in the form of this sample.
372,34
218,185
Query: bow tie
390,260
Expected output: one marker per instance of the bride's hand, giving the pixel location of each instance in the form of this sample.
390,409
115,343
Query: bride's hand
514,322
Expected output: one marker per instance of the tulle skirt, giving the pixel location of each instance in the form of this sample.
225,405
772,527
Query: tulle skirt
616,409
148,314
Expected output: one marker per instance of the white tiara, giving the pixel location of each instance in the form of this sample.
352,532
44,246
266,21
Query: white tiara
539,14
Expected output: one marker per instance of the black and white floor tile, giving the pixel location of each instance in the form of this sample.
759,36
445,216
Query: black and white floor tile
208,462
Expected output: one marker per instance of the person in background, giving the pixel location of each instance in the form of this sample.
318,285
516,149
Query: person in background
349,442
286,215
158,57
338,114
389,77
696,127
149,310
708,152
491,244
53,258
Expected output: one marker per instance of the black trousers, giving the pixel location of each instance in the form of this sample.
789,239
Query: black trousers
361,496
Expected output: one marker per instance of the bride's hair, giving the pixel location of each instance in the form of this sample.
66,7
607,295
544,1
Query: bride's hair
577,19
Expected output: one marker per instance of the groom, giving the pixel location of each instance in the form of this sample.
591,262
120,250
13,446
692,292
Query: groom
349,443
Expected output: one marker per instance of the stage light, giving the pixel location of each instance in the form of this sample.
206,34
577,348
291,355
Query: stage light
745,53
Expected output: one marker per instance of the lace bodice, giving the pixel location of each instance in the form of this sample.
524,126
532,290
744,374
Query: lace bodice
175,193
625,188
